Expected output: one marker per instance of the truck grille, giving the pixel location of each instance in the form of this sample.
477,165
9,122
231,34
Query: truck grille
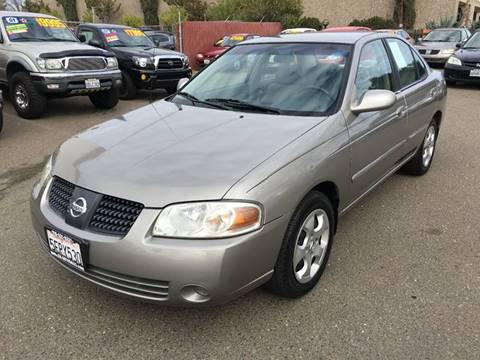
112,216
169,63
86,63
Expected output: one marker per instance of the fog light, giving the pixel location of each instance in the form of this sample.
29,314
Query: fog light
119,82
195,294
53,86
144,77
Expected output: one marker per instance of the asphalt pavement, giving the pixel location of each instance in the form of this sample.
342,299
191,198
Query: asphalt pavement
403,280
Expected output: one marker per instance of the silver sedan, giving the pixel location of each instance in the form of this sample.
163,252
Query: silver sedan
238,180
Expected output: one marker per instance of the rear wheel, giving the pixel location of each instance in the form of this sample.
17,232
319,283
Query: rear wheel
27,101
127,91
306,247
422,160
104,99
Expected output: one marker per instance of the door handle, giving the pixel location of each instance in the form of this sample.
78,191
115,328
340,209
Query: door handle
400,111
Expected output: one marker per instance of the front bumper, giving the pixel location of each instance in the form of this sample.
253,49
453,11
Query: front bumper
460,73
158,79
68,84
163,270
436,59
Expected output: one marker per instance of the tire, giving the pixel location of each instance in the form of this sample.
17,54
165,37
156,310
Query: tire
293,281
421,162
451,82
1,120
127,91
104,99
27,101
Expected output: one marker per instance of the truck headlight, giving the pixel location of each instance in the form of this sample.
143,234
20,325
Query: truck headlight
208,220
452,60
141,61
112,63
44,177
53,64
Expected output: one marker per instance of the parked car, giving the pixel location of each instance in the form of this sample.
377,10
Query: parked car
399,32
41,58
220,46
297,31
438,45
239,179
143,65
347,29
163,39
464,64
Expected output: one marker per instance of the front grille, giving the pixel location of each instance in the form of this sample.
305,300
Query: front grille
115,216
422,51
430,52
86,64
169,64
471,64
112,216
59,196
435,52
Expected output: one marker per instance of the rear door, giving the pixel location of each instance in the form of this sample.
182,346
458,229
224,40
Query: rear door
418,91
377,137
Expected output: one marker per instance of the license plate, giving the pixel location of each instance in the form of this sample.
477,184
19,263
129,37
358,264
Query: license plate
65,249
92,83
206,61
475,73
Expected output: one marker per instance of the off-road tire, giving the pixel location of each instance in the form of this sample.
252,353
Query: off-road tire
105,99
37,102
127,90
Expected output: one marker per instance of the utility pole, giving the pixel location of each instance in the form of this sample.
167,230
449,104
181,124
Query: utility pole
400,13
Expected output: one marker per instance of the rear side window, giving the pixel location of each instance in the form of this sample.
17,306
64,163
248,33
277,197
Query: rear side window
374,70
421,68
405,62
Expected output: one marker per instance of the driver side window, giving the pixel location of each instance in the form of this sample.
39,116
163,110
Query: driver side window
374,69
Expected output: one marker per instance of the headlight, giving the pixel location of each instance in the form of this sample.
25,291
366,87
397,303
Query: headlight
44,177
41,63
200,56
53,64
185,61
141,61
452,60
112,63
447,51
206,220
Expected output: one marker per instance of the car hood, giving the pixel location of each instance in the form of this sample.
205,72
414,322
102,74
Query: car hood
159,154
436,45
469,55
35,49
145,52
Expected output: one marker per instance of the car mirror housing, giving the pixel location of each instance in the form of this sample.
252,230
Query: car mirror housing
181,83
375,100
458,45
82,38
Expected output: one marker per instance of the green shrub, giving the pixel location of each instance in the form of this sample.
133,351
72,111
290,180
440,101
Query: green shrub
311,22
104,9
169,18
132,21
375,23
445,22
39,6
150,11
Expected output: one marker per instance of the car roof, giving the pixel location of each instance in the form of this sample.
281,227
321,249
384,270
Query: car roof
96,25
24,13
347,28
317,37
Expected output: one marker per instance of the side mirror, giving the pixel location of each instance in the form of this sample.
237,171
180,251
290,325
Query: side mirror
459,45
181,83
375,100
82,38
95,43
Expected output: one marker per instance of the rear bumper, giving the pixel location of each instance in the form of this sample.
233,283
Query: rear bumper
67,84
158,79
460,73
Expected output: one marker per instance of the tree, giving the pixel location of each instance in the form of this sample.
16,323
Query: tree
404,13
13,5
69,8
195,9
104,9
132,21
150,11
169,18
39,6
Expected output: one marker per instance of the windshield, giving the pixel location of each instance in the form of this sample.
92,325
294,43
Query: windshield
229,41
444,36
474,41
160,37
26,28
126,37
295,79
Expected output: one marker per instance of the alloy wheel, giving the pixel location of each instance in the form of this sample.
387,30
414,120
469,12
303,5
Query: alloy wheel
21,96
428,146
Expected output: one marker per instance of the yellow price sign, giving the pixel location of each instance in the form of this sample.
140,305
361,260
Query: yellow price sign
50,23
134,32
237,38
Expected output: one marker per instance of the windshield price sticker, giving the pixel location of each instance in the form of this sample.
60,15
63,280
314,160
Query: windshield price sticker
50,23
134,32
16,29
237,38
111,37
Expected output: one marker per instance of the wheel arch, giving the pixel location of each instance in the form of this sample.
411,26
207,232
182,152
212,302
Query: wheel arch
330,190
16,66
438,117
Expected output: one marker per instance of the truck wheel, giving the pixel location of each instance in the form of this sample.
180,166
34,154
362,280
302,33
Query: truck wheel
306,247
104,99
128,89
28,102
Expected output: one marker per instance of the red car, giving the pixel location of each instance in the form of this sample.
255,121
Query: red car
347,29
220,46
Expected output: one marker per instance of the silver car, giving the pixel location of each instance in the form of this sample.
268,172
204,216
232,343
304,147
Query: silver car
238,180
438,45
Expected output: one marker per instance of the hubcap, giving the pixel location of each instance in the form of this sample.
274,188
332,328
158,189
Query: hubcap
428,146
311,246
21,97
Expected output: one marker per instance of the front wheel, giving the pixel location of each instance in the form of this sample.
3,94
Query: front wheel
422,160
27,100
128,91
104,99
306,247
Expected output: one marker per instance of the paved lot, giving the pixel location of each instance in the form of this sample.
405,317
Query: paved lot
403,280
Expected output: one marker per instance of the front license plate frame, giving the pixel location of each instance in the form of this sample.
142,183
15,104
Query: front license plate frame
68,250
92,83
475,73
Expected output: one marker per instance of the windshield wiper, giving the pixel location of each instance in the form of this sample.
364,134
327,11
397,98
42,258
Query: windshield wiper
195,100
239,104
